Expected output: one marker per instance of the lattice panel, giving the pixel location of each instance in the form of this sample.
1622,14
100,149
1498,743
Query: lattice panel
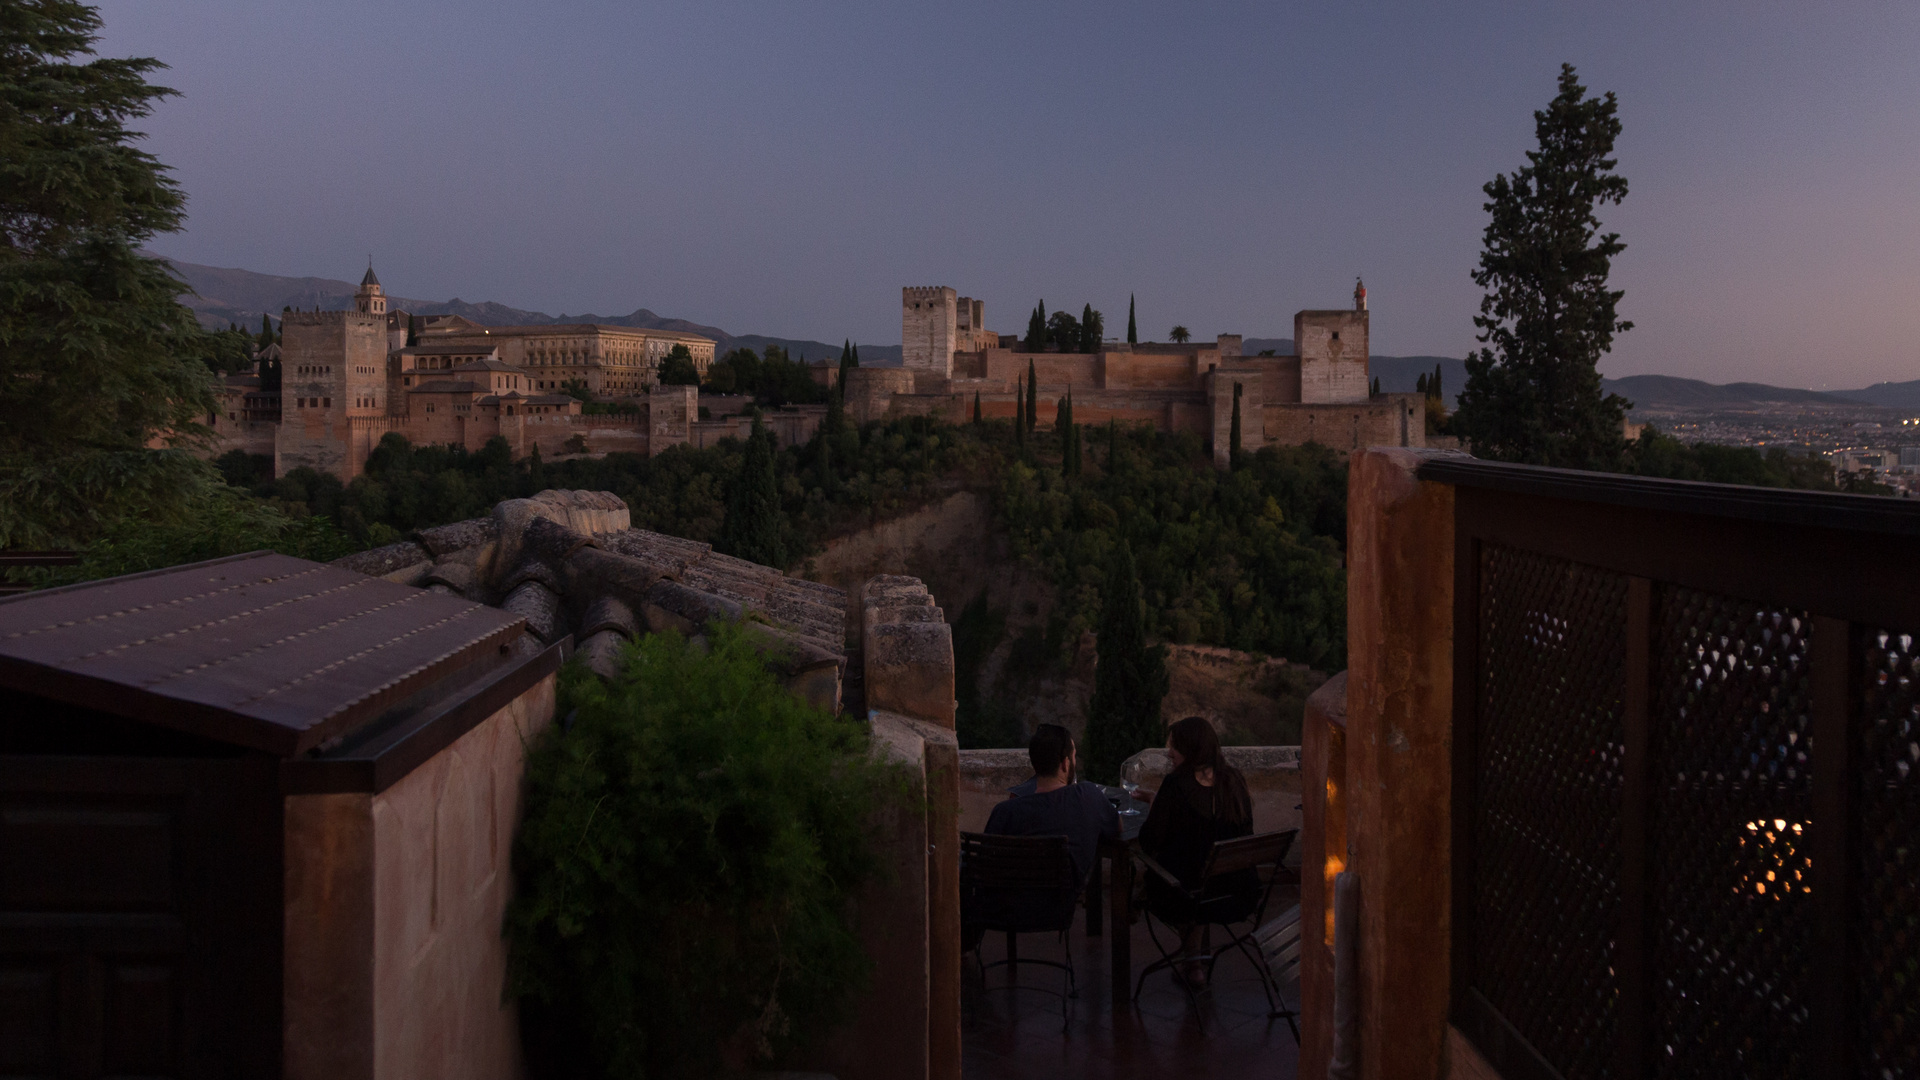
1547,799
1886,961
1731,917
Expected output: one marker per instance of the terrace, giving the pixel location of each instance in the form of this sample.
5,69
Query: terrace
1618,783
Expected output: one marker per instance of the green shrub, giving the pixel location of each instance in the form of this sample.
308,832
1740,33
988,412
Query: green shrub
694,837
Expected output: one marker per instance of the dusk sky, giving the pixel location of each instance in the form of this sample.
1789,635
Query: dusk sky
785,168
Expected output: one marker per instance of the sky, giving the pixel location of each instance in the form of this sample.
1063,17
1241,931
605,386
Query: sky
784,168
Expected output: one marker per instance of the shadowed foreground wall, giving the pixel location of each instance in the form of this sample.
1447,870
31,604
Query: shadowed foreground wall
395,964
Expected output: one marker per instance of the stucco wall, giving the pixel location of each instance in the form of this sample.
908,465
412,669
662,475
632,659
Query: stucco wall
395,965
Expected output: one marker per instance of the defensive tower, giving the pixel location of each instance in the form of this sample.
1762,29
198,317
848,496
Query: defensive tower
929,328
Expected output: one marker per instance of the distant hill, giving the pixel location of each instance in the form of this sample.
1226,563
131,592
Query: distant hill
1893,395
1666,391
220,296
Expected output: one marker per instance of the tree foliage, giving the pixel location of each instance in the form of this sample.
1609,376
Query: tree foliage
773,379
1133,329
1037,329
755,528
677,368
1180,334
1130,679
1535,396
695,835
97,357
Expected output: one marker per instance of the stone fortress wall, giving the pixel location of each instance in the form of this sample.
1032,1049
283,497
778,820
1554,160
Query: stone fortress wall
348,378
1320,394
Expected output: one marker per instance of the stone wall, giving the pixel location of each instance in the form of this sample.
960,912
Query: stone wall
907,649
928,328
1388,420
1332,346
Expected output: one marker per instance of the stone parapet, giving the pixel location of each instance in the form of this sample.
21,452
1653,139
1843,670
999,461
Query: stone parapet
907,649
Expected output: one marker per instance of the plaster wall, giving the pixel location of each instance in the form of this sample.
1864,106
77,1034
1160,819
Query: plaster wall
395,966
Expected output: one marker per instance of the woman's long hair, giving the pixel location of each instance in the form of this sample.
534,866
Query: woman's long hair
1199,747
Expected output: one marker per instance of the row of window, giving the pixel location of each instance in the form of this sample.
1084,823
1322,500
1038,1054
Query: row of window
313,403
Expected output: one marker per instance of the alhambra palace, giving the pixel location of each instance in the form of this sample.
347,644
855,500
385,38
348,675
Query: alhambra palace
351,377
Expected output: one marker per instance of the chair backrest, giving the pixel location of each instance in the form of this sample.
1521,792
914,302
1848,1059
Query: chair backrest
1279,943
1016,862
1246,852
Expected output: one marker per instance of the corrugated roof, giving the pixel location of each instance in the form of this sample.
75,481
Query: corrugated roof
264,651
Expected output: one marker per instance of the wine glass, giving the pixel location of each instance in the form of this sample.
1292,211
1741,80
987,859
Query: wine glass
1129,786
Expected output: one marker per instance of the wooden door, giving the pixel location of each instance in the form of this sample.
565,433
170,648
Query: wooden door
140,908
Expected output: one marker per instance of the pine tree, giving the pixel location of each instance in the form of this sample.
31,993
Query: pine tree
1535,396
755,528
1130,679
1033,396
1133,329
1233,432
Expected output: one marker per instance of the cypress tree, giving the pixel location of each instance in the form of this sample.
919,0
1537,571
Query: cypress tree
1433,384
1130,679
1113,445
755,528
824,462
1373,390
1089,330
266,330
1420,385
1535,394
1233,436
1063,426
1033,396
856,356
1019,417
1037,328
1133,329
976,406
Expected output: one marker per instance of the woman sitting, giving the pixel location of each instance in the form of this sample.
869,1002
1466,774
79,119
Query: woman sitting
1203,799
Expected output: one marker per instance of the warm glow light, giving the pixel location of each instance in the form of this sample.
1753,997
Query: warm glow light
1781,867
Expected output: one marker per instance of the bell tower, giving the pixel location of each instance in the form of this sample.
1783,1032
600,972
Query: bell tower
371,299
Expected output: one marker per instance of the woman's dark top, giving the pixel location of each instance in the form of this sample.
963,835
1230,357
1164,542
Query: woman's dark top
1182,824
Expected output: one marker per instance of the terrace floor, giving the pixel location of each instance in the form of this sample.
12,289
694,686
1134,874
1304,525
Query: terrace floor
1016,1034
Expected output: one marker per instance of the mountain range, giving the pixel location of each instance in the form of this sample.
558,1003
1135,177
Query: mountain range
220,296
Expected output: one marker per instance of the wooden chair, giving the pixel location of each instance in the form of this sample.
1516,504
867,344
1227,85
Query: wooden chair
1020,885
1212,906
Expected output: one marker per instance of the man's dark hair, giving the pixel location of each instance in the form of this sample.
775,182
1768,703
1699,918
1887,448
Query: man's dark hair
1051,745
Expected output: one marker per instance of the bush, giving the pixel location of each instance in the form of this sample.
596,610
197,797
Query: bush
694,837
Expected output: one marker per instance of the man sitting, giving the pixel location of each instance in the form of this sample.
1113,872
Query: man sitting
1056,805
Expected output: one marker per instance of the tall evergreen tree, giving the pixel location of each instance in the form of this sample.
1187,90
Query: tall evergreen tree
1089,330
1037,328
1019,416
755,527
855,362
266,337
1535,395
1433,385
1063,425
97,357
1113,444
1130,678
976,406
1373,388
1420,384
1033,396
1133,329
1233,432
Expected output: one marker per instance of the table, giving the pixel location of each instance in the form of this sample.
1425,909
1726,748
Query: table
1120,901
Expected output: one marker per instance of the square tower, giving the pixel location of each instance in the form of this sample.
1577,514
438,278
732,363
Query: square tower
1333,356
333,370
929,328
